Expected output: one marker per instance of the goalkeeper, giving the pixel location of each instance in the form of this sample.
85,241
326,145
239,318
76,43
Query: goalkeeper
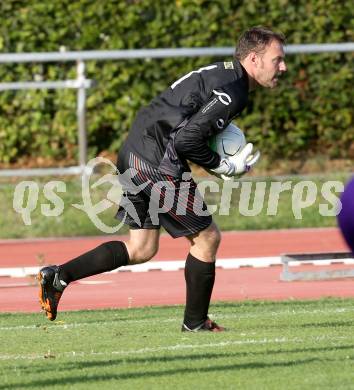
173,128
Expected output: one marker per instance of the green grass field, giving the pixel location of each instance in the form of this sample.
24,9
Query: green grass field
268,345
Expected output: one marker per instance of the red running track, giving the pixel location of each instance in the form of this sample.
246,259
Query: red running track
159,288
261,243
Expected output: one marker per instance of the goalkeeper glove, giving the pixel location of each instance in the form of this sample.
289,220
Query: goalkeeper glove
237,164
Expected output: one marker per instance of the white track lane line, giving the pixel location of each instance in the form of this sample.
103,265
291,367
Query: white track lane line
176,265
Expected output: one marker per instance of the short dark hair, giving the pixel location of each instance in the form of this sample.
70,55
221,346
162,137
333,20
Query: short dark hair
256,39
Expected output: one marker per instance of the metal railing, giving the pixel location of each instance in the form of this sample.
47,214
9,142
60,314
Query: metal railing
81,83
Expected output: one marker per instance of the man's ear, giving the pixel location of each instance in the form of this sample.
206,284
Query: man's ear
253,58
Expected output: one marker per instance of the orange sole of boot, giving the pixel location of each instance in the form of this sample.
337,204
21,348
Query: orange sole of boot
44,302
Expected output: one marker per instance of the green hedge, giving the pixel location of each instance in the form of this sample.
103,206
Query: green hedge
310,111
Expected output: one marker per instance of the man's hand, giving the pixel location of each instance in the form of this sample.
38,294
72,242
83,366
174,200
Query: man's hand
238,164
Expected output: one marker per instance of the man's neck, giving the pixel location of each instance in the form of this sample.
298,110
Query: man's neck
252,83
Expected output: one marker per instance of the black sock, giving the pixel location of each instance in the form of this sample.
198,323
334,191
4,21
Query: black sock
106,257
200,277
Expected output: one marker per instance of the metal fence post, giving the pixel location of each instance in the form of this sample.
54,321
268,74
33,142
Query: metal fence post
81,113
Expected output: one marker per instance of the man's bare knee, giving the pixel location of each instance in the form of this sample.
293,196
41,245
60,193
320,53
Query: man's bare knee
204,244
143,245
214,237
141,254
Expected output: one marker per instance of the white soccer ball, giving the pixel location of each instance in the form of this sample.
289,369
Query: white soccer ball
228,142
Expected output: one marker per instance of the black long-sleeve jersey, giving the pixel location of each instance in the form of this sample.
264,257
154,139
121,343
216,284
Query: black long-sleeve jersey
176,125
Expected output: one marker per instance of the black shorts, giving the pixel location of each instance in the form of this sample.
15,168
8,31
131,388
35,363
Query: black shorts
151,199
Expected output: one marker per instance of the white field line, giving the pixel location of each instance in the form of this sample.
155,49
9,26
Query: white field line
238,316
177,265
177,347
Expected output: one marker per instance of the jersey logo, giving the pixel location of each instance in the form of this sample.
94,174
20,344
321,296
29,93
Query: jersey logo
228,65
223,97
209,105
220,123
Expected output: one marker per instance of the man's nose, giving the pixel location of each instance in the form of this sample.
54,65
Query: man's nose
283,67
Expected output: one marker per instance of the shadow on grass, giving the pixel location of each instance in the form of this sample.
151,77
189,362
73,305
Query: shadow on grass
80,379
331,324
79,365
307,325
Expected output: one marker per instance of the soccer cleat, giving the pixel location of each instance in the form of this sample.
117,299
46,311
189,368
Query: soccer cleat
50,290
208,325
